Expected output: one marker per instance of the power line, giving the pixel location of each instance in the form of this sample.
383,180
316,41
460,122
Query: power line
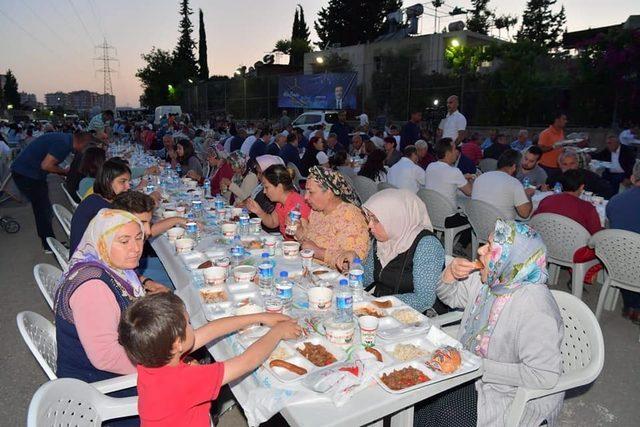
29,33
81,21
66,22
97,18
55,33
106,69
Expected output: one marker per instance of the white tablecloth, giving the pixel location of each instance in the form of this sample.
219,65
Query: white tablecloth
303,408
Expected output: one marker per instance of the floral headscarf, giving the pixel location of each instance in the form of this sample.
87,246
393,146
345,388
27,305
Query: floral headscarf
238,160
95,246
518,258
335,182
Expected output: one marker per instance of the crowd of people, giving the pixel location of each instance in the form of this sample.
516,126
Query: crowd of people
115,314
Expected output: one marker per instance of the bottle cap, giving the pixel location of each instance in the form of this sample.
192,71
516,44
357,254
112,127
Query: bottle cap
284,274
344,282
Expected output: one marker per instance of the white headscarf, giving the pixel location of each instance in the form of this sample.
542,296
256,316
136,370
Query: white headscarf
403,216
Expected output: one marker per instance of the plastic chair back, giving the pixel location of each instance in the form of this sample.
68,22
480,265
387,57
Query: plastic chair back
40,336
68,401
385,185
488,165
60,252
72,202
364,187
482,217
47,277
64,216
298,178
438,206
562,235
619,251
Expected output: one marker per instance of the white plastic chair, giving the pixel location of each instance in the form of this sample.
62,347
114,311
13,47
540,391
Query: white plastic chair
482,217
64,216
68,401
439,208
385,185
60,252
563,237
298,176
619,251
488,165
47,277
582,354
72,202
40,336
364,187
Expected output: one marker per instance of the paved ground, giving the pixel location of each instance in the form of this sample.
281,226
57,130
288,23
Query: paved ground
611,401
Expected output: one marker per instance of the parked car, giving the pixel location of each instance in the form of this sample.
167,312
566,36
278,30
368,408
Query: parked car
310,119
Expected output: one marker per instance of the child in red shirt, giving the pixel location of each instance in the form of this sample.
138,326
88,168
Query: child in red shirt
156,334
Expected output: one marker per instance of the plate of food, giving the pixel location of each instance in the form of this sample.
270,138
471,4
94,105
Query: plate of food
193,260
405,377
320,352
410,349
387,302
287,364
214,294
367,309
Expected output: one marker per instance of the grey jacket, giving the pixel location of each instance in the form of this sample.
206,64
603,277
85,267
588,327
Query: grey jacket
524,351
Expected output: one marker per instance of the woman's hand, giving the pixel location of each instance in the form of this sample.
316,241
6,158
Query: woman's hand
302,228
254,207
272,319
142,185
225,181
308,244
153,287
193,175
157,197
345,259
458,269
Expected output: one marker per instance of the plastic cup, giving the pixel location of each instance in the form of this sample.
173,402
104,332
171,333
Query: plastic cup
273,305
229,229
175,233
214,275
270,243
255,225
307,258
184,245
290,250
320,298
368,330
180,210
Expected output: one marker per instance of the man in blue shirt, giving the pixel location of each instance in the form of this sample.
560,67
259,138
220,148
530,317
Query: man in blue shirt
623,212
342,129
259,147
289,152
411,130
30,169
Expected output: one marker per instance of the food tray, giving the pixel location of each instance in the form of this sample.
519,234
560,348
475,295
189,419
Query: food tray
424,344
193,259
392,328
359,306
433,376
394,301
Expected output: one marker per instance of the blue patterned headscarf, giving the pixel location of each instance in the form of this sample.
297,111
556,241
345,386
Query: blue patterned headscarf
518,258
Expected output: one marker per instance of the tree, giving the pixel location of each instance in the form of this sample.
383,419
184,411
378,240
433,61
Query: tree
333,63
480,17
350,22
299,44
505,22
184,58
203,66
156,77
303,29
11,95
296,27
541,25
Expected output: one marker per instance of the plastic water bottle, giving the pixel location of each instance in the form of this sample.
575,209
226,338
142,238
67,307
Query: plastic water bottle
206,187
294,220
178,169
284,290
243,222
526,182
356,280
557,189
237,250
192,231
218,203
265,274
344,302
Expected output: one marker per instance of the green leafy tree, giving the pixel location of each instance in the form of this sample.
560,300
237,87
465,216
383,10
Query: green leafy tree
203,66
541,24
349,22
505,22
480,17
156,76
11,95
184,58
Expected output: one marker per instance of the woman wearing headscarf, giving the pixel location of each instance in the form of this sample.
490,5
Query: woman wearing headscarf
512,322
219,169
244,180
263,163
406,259
99,285
336,223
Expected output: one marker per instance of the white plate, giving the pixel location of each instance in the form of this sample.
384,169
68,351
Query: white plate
433,376
422,343
394,301
360,305
336,351
294,357
193,259
391,328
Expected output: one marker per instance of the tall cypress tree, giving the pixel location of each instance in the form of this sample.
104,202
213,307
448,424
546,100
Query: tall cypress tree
541,25
349,22
294,35
480,17
303,29
184,58
203,66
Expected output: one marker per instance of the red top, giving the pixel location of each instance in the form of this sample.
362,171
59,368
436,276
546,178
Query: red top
175,396
225,171
283,210
472,151
568,205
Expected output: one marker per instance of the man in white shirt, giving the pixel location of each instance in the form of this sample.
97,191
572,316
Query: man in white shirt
454,125
442,176
246,145
406,173
630,137
501,190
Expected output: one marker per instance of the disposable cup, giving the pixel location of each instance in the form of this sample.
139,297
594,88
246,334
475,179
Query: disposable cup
368,329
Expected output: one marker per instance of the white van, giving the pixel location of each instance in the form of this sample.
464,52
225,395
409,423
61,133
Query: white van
163,110
311,119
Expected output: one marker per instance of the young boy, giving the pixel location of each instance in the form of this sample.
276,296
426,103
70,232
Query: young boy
156,334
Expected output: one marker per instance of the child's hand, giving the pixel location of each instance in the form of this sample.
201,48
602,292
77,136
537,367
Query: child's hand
272,319
287,330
